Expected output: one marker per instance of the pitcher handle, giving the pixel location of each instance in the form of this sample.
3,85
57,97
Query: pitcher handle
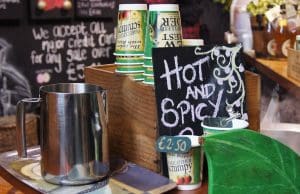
21,126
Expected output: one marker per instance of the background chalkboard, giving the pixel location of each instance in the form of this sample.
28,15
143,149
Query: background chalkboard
192,83
96,8
10,9
37,52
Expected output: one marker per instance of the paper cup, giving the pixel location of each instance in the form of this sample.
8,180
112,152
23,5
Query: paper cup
148,71
130,69
192,42
131,29
136,76
129,60
163,27
186,168
236,124
148,63
149,78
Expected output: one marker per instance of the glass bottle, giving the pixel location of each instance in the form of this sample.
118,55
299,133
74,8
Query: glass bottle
282,34
269,37
296,30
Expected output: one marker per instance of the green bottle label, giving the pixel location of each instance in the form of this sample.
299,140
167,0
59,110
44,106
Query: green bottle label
131,32
186,168
163,30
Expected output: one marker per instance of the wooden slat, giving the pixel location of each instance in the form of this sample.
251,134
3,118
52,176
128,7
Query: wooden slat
253,94
5,187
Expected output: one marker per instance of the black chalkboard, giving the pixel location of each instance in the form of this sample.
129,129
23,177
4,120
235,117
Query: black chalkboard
95,8
10,9
59,53
192,83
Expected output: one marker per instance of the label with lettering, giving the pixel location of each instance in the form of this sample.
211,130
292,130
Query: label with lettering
131,32
271,47
185,168
164,30
174,144
285,46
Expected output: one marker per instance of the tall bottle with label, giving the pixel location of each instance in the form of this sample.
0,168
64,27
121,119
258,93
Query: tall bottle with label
296,28
269,37
282,34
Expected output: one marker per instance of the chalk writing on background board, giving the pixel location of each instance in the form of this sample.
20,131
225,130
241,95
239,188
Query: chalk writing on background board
14,86
195,83
5,3
95,8
10,9
66,49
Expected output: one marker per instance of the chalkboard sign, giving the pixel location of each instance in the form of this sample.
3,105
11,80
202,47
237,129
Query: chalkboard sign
10,9
173,144
192,83
95,8
59,53
51,9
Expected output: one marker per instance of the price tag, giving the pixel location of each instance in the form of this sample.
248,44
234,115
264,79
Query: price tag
173,144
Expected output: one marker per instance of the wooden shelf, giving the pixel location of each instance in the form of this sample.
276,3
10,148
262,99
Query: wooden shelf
275,70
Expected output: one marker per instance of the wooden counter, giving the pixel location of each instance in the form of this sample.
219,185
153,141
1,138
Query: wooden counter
275,70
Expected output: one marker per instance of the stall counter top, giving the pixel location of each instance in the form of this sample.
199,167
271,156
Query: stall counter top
22,175
275,70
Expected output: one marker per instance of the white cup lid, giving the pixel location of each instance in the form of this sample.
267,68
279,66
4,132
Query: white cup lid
236,124
192,42
124,7
163,7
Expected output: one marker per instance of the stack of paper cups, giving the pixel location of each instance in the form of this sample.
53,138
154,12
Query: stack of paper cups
130,42
163,30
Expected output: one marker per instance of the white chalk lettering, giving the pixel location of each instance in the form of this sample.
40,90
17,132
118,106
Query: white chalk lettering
40,33
76,55
62,31
185,69
168,113
168,74
217,104
86,41
97,28
101,52
36,58
54,59
75,72
53,45
106,39
204,91
182,72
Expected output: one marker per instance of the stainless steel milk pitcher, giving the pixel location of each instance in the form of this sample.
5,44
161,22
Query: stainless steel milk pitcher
73,133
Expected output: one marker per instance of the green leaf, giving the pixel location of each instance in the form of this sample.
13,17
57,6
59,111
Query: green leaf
244,161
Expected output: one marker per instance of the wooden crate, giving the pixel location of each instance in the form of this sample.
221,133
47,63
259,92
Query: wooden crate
8,132
293,69
132,113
